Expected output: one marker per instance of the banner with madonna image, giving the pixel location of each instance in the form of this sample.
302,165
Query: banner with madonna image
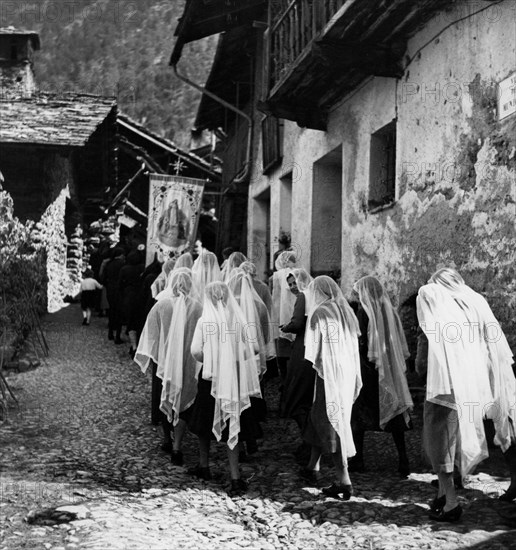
174,208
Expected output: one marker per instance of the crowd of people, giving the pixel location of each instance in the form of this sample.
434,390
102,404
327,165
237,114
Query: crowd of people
212,336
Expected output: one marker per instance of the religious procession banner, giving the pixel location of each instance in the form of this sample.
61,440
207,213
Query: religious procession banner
174,208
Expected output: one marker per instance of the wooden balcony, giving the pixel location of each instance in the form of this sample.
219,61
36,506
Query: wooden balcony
319,50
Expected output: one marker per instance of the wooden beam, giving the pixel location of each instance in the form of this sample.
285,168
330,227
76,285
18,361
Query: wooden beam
307,115
373,59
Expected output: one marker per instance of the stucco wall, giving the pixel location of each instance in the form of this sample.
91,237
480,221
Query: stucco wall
455,166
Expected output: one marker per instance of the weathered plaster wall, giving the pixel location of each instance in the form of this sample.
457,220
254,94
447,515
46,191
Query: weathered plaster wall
456,166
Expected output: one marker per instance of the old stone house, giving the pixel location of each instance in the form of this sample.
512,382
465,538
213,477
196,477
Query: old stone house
57,157
383,136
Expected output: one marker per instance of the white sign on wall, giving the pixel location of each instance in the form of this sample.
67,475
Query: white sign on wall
507,97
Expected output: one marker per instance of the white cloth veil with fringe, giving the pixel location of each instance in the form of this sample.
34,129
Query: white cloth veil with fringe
387,349
179,370
230,361
468,369
258,326
331,345
283,300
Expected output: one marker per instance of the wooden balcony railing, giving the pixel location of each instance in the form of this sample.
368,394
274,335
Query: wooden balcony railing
294,30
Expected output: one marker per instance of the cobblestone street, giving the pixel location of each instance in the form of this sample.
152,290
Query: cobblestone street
82,437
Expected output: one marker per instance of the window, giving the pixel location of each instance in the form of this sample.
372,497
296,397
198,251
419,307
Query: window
272,142
382,168
326,249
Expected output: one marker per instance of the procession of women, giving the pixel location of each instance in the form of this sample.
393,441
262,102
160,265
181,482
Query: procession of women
216,336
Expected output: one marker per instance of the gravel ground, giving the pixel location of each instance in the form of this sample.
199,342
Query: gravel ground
82,437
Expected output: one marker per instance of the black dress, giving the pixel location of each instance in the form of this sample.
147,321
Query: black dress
199,416
300,379
366,409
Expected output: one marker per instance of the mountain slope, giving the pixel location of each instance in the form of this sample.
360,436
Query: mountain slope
117,47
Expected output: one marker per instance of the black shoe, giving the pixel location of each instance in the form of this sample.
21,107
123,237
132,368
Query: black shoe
176,457
252,447
311,476
404,468
509,495
238,488
438,504
110,336
335,490
167,447
200,472
451,515
84,322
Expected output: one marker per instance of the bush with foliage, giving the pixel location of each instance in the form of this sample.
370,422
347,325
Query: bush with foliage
22,274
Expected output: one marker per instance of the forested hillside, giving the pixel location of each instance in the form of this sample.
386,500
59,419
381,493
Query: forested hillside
116,47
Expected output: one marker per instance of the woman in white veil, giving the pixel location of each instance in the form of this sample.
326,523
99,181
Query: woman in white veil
331,345
259,330
179,370
300,379
385,401
205,270
228,380
150,353
283,302
469,377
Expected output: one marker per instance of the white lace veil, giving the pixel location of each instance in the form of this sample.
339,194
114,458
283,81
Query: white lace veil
185,260
235,260
161,280
229,360
331,344
179,370
387,348
205,270
302,277
258,326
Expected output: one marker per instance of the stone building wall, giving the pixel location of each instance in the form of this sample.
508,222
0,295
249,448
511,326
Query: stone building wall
455,168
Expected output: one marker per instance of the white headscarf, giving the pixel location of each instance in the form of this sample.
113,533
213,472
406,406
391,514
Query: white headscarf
331,344
302,277
179,370
235,260
229,360
205,270
469,366
387,348
258,326
283,300
161,280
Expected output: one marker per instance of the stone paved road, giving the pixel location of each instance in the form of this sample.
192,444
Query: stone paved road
82,436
